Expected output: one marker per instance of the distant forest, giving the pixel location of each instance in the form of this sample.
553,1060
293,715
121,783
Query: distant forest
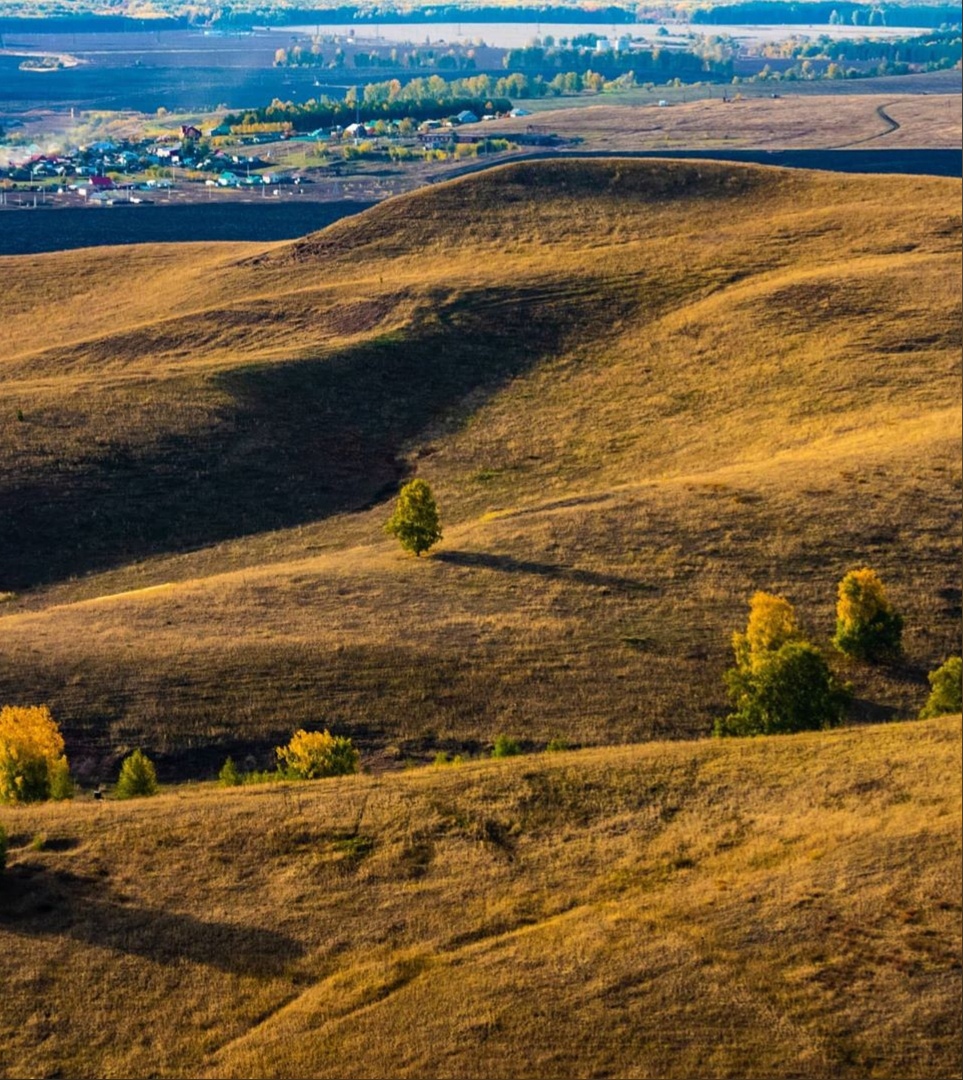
27,16
41,17
766,12
245,16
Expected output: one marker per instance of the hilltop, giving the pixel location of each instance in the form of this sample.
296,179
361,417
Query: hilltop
783,906
640,390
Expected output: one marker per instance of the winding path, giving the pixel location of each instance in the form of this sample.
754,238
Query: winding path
891,126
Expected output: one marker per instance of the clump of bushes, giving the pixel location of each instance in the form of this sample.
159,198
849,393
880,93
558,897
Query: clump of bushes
505,746
138,777
33,765
946,693
780,682
442,758
316,754
867,626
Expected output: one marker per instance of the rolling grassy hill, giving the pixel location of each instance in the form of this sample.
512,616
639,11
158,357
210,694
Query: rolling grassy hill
640,390
784,906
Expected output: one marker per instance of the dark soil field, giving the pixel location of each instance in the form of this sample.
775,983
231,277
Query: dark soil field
28,231
146,88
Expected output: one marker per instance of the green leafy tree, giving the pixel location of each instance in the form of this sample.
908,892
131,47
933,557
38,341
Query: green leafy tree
415,521
316,754
138,777
780,682
867,626
946,695
792,690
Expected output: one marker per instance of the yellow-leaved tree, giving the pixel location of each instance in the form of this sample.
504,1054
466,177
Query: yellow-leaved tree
33,765
772,623
311,755
867,626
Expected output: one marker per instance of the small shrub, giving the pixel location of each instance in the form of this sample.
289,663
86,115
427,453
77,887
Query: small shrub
946,695
32,761
557,745
261,776
780,682
316,754
867,627
442,758
229,775
39,842
61,782
505,746
138,777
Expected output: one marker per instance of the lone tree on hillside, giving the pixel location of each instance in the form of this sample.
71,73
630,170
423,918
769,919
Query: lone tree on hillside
780,682
415,520
867,626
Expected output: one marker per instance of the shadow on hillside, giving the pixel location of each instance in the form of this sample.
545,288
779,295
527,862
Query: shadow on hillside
510,565
39,902
296,441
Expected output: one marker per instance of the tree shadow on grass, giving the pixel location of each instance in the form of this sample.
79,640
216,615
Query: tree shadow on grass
39,902
510,565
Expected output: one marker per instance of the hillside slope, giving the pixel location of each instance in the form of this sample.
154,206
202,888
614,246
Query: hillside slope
641,390
776,907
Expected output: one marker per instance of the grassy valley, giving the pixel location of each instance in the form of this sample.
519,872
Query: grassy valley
640,391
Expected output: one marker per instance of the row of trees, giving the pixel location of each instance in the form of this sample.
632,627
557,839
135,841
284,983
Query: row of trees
646,63
34,767
921,49
815,12
420,99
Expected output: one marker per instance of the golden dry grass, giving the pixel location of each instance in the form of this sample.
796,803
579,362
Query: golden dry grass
755,908
640,391
789,122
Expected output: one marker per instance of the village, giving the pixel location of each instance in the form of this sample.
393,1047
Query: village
224,158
